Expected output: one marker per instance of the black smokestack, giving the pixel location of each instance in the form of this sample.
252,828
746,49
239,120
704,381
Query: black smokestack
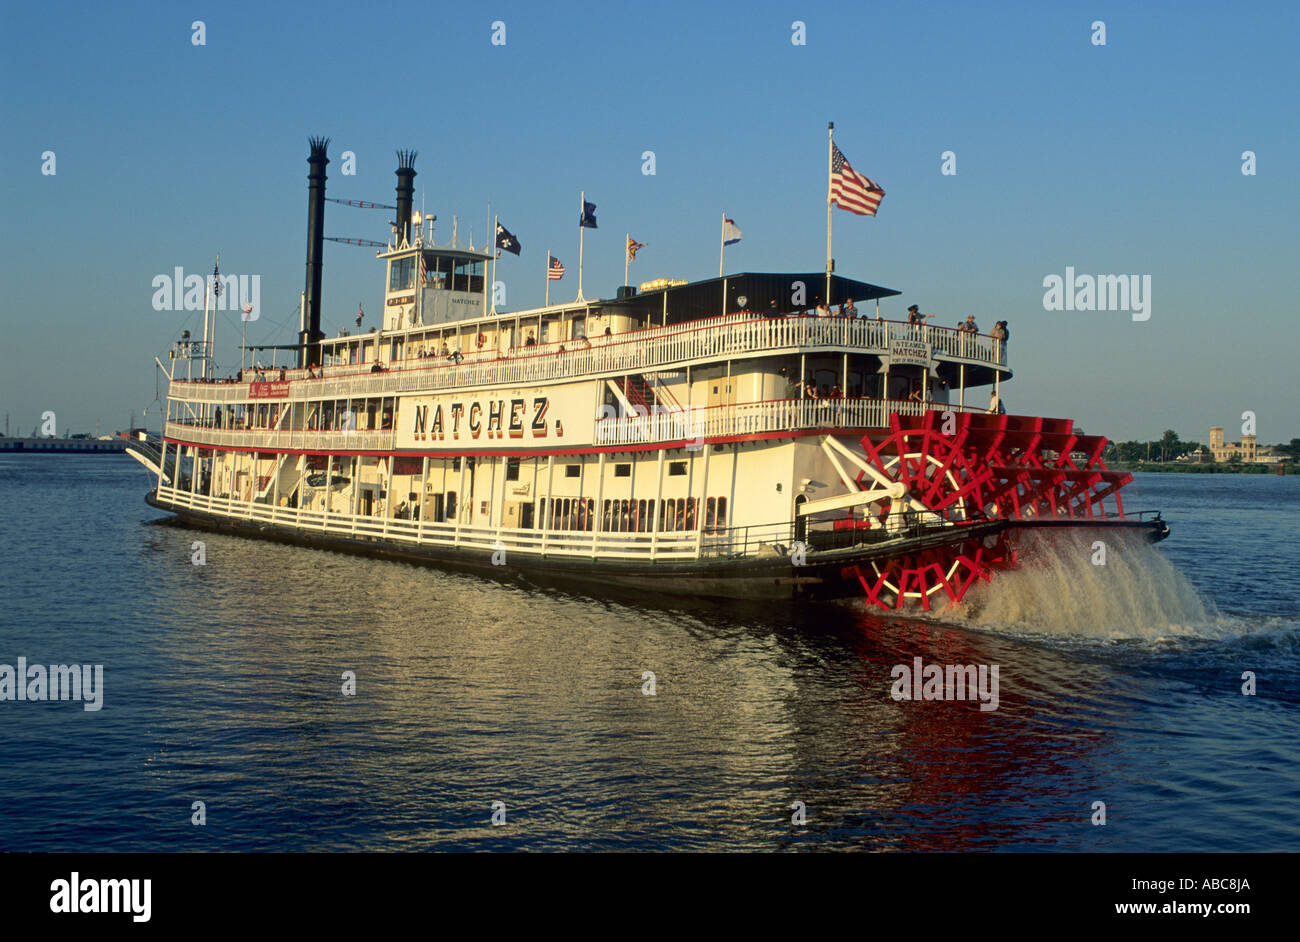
405,193
310,336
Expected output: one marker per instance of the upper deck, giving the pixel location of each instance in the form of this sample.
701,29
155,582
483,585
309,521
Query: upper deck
732,337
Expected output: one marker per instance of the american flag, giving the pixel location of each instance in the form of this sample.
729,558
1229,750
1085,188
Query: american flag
851,190
424,270
555,271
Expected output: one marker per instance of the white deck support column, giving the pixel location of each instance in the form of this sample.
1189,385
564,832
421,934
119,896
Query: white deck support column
329,473
546,521
658,508
597,524
162,464
699,507
355,503
460,501
252,483
498,506
424,495
194,472
961,387
390,503
275,484
727,400
299,466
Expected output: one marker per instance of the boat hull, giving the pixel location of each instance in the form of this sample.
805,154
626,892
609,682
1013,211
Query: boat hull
824,575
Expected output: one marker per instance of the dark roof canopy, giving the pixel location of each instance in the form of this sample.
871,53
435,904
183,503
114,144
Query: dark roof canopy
704,298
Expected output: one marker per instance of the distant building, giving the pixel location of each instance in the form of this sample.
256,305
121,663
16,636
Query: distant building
1247,450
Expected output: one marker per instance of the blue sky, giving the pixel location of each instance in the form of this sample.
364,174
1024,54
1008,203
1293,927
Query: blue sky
1115,159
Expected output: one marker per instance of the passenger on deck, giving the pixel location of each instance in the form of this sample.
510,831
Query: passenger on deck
530,340
971,326
848,310
915,394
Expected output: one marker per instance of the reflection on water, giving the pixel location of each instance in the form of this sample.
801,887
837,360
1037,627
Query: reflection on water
223,684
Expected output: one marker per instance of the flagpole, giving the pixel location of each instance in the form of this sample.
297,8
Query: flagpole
830,161
722,242
547,302
495,222
582,209
627,255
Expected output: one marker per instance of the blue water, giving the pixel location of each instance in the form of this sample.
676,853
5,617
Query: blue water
1119,683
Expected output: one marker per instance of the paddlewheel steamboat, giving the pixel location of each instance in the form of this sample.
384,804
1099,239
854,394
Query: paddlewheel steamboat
707,438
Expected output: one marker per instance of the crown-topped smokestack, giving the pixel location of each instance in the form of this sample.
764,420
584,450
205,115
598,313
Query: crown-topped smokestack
405,193
309,334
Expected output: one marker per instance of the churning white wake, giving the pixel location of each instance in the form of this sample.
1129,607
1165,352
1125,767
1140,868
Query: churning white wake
1061,588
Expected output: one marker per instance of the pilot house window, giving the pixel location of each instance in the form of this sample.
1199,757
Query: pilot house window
401,274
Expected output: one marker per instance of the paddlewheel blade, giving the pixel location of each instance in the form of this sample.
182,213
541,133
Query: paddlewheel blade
959,468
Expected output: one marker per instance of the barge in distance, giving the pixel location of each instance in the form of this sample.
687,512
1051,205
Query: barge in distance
714,438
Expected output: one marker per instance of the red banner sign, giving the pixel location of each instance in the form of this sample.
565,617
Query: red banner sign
273,390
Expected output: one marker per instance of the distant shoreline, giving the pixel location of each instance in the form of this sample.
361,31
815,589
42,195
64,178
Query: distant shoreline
62,446
1184,468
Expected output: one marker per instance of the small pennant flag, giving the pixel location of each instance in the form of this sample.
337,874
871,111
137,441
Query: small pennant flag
632,247
555,271
851,190
730,232
506,240
588,220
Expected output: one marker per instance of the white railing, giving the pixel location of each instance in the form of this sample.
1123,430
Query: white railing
677,544
633,352
755,418
282,440
694,424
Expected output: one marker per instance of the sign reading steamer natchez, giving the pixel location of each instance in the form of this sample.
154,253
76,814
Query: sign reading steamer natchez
513,418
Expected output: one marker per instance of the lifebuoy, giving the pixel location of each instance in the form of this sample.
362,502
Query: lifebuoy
482,339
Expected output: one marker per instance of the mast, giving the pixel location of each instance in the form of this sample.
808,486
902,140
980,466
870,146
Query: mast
496,221
207,294
582,214
830,161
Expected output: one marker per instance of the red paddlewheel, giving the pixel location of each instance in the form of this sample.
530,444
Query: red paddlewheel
917,578
970,466
1000,466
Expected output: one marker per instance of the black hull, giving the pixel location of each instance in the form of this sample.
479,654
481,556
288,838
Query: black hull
776,577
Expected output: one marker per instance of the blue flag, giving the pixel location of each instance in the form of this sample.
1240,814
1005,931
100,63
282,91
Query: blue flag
506,240
588,220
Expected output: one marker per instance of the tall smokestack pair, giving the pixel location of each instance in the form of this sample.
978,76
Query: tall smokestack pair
309,333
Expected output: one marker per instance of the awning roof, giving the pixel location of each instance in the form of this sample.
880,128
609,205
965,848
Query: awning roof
704,298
